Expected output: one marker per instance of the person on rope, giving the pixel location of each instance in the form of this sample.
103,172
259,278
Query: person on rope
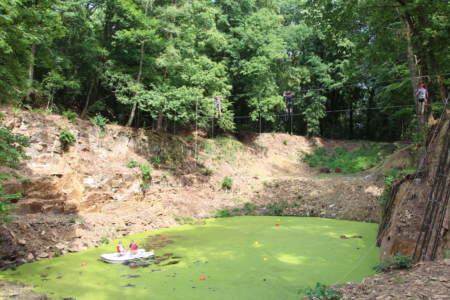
288,101
422,95
218,100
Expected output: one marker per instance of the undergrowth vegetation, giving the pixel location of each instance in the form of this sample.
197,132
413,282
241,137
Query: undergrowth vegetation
397,261
321,291
355,161
222,148
392,175
250,209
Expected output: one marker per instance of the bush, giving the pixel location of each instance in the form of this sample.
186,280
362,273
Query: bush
12,147
358,160
156,160
249,208
70,115
321,292
132,163
104,239
146,171
398,261
223,213
66,137
100,121
227,183
208,172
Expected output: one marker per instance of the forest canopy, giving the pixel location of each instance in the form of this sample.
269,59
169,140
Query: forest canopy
353,67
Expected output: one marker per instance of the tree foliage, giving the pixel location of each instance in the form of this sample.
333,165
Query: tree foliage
353,66
11,152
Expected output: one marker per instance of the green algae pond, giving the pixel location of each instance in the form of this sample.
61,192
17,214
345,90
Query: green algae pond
239,258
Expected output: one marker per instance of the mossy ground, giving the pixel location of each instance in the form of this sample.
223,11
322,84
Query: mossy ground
299,252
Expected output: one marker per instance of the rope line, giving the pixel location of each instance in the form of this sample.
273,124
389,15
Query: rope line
299,114
403,199
341,86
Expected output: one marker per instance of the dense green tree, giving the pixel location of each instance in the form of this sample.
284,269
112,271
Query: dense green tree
11,152
24,25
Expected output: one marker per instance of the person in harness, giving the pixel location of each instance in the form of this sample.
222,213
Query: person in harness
218,100
422,95
288,101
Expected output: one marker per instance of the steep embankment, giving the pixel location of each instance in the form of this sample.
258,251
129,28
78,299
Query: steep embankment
82,195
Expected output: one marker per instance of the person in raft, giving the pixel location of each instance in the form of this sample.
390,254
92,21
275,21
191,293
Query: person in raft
120,249
133,247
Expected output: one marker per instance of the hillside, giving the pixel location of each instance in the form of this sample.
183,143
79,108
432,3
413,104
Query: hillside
83,195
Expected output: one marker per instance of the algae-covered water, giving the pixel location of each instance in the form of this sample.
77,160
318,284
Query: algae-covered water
229,253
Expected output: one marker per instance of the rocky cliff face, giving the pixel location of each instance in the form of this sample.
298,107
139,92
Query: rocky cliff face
404,214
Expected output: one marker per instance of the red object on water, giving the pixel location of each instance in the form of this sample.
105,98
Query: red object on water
202,278
163,237
83,264
277,224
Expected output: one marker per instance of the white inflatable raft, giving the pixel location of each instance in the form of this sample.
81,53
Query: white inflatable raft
116,258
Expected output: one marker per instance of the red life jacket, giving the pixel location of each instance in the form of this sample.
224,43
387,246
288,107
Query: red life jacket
134,246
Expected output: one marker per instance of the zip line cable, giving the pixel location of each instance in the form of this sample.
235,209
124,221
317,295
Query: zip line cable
404,197
300,114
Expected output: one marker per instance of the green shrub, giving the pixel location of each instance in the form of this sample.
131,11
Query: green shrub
173,169
100,121
285,142
321,292
156,160
70,115
223,213
208,172
447,253
227,183
398,261
72,219
358,160
184,220
249,208
104,239
188,219
146,171
132,163
57,252
66,137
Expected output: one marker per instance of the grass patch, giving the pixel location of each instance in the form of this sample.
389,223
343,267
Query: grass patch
222,148
358,160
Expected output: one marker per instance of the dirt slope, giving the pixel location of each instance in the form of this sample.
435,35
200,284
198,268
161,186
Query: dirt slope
77,197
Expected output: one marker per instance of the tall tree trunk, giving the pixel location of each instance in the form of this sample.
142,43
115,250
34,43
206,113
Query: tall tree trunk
369,115
412,71
350,123
32,56
138,80
87,99
332,116
440,84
